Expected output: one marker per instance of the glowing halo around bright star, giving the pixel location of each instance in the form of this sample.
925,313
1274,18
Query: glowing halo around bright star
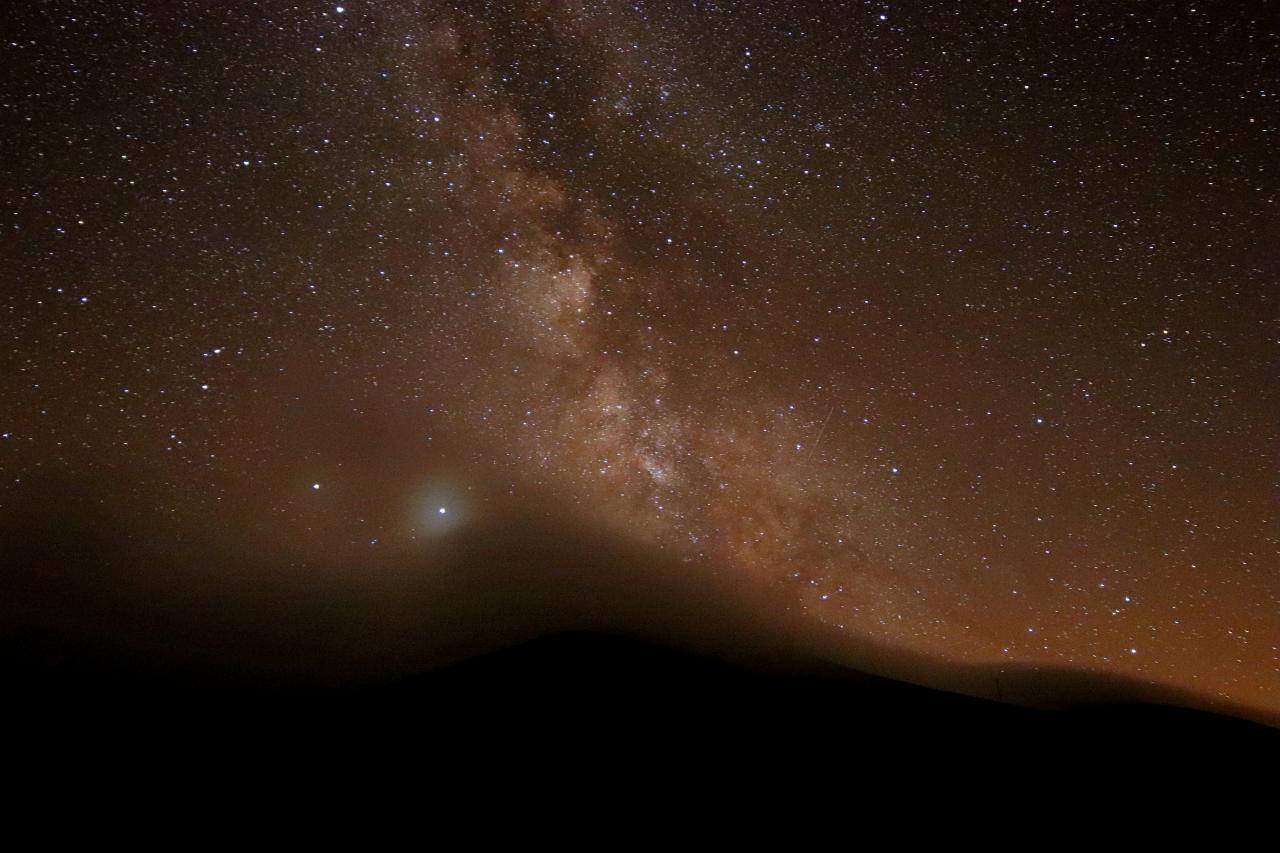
438,508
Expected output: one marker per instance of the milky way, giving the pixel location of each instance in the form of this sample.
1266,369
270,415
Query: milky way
951,326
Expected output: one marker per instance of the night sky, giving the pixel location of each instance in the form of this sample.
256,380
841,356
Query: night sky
950,328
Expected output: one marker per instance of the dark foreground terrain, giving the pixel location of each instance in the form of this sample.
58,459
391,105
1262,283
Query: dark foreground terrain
604,698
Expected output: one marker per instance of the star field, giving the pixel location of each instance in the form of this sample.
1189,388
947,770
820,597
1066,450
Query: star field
953,326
